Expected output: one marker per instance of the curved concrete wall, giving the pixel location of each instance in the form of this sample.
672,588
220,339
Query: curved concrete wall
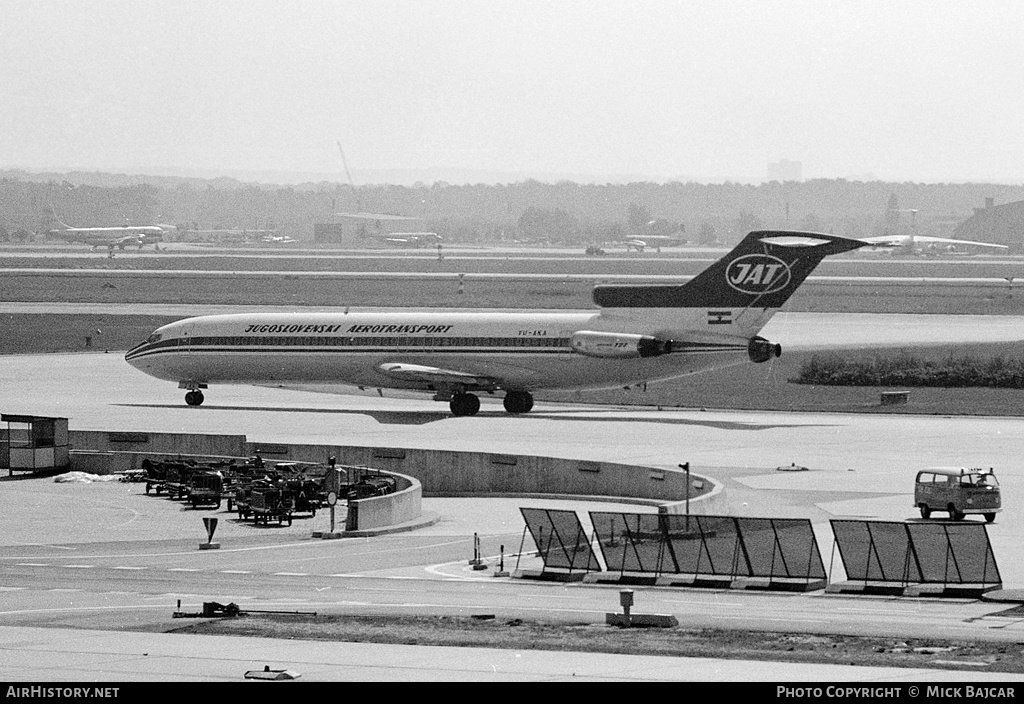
450,473
437,472
404,506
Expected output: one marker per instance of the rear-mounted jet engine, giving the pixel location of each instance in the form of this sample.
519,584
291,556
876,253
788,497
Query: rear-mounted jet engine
614,345
760,350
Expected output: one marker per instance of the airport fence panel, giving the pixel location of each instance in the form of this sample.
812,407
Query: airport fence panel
954,553
720,546
630,542
916,553
781,548
876,551
560,539
704,545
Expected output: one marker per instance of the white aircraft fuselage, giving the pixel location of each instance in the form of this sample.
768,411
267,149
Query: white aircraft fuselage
111,236
638,334
528,351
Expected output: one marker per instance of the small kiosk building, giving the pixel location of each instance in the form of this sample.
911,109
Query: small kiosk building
34,444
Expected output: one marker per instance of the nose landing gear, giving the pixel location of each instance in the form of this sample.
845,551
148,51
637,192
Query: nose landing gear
194,398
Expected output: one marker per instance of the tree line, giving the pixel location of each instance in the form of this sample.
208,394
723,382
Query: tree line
564,212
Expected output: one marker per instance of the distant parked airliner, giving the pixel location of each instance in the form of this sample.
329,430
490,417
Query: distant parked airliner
110,237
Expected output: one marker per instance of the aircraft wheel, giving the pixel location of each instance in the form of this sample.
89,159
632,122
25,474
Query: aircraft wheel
464,405
990,517
194,398
518,402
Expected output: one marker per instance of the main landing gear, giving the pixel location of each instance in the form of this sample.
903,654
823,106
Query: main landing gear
518,402
194,398
463,404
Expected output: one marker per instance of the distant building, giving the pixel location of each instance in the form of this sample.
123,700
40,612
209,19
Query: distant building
784,170
999,224
363,229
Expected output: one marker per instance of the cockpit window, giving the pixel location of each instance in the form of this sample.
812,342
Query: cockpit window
155,337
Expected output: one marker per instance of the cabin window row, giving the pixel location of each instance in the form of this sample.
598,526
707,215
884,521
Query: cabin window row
321,341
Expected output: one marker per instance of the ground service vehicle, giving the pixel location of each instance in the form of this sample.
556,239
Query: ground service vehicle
958,491
270,501
156,475
205,489
178,475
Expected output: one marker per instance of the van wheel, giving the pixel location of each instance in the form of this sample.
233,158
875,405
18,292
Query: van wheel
954,514
990,517
925,511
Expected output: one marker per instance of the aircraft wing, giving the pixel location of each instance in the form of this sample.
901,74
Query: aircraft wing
436,376
904,240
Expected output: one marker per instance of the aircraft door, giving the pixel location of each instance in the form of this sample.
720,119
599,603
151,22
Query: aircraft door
564,347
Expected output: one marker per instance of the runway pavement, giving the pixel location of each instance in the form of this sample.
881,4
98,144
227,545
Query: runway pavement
861,466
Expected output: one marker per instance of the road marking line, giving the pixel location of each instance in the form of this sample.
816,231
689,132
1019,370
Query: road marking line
80,567
764,618
31,564
182,569
705,603
291,574
130,568
236,571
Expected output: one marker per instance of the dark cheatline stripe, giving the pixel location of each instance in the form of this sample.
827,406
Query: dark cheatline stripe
194,347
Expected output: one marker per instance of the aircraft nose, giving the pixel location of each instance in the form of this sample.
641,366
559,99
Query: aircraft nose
131,355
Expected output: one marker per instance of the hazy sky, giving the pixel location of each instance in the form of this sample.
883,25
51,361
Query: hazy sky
919,90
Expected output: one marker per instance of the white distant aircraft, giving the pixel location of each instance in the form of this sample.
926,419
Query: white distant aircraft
640,333
640,243
923,244
277,239
109,237
408,239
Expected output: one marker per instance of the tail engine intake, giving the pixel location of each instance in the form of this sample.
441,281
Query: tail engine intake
760,350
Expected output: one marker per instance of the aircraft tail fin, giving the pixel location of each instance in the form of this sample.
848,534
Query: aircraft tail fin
762,271
52,221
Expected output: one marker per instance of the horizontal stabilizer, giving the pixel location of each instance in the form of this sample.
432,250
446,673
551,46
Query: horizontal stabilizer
911,240
762,271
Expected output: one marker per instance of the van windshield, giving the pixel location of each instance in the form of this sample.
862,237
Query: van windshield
980,480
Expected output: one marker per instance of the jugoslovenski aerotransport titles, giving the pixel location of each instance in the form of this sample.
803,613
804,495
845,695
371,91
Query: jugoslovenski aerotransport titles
639,333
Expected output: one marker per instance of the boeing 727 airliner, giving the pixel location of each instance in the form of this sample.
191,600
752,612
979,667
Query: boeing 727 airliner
640,333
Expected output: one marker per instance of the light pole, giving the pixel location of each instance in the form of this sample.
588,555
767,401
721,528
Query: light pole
686,468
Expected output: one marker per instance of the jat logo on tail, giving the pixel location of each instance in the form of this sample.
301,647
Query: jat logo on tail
757,274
